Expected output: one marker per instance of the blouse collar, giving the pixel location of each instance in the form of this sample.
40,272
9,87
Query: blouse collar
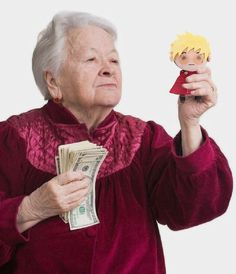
62,116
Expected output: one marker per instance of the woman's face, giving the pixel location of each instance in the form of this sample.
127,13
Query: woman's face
190,60
91,74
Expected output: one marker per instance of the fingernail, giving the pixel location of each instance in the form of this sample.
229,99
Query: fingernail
188,79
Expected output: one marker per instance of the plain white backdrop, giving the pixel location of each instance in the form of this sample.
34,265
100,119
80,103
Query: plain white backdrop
145,31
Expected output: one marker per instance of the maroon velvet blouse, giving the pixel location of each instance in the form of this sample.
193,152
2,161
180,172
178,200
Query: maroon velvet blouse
143,180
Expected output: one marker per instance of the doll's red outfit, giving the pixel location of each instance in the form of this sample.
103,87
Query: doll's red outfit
178,85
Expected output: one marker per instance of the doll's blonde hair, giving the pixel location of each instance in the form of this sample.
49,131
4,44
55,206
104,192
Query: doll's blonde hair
187,42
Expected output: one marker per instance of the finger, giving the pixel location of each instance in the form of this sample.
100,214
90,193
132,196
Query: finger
197,85
77,195
69,206
63,202
204,70
75,186
70,176
212,96
197,77
203,75
74,204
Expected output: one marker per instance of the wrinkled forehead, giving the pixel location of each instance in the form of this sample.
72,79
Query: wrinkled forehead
87,37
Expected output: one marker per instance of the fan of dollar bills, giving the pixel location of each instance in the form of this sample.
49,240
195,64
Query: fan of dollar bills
86,157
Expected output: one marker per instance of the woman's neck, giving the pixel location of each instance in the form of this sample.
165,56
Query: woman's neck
92,117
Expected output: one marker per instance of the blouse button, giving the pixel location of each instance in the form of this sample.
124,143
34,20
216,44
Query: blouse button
91,231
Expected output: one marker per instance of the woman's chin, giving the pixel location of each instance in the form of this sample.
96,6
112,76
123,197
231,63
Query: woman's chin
110,99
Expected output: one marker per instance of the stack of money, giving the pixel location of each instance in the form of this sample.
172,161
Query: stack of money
86,157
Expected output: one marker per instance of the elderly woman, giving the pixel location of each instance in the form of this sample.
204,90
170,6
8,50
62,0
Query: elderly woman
146,177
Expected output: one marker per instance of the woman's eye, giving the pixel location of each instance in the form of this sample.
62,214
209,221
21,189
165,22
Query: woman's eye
115,61
199,57
91,59
183,57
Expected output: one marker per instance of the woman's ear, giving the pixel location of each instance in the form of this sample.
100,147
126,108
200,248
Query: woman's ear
52,86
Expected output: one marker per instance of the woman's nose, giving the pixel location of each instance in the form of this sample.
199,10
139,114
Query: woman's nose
106,70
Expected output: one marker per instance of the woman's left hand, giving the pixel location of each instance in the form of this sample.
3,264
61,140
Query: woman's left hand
203,97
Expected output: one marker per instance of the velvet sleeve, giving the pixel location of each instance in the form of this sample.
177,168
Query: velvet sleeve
12,166
185,191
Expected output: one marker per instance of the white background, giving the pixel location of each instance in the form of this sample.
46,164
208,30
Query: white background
145,31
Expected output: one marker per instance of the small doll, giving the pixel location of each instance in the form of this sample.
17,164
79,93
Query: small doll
189,52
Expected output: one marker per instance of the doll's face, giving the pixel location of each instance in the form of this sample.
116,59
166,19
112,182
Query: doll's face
190,60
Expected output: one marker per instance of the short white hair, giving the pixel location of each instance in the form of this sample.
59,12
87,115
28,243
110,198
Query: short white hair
50,51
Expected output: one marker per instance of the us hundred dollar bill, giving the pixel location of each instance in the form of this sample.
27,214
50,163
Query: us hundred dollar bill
86,157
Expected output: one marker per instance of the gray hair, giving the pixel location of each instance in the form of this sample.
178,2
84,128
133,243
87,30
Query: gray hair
49,53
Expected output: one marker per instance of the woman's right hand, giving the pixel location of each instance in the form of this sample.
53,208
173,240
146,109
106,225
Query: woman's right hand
61,194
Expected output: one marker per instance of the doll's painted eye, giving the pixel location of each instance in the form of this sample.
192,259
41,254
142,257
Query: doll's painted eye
200,57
